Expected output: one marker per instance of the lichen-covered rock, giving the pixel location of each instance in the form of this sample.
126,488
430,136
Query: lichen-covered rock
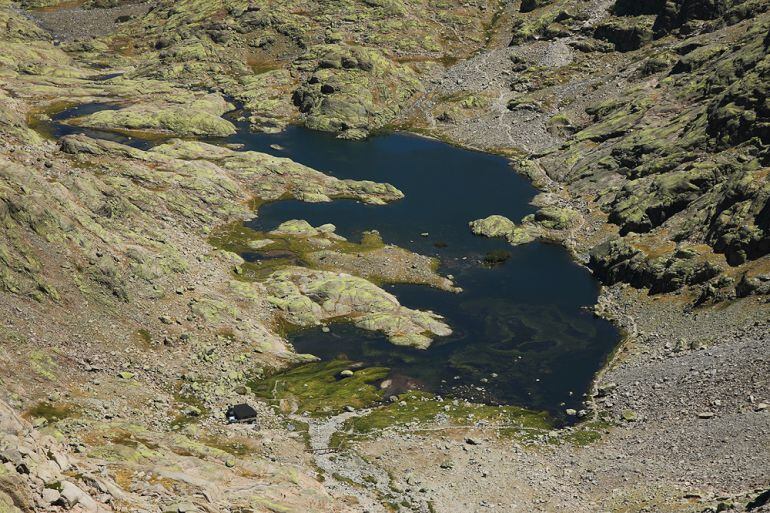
554,218
27,455
741,112
740,227
531,5
546,223
695,174
348,67
199,117
626,33
756,285
646,203
296,227
306,297
493,226
617,261
676,14
349,89
638,7
500,226
273,177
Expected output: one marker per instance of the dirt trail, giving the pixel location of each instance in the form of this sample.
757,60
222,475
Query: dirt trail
343,469
347,474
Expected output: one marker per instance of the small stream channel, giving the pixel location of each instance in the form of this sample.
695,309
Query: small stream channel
523,331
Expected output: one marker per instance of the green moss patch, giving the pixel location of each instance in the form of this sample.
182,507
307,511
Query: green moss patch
420,409
584,434
192,411
144,337
283,250
320,389
51,412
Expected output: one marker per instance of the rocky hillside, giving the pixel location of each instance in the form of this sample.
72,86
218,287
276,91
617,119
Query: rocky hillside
648,117
345,66
127,326
652,112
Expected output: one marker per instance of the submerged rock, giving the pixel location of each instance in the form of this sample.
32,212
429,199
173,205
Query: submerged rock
497,257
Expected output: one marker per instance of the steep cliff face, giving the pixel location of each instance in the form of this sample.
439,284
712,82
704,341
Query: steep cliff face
694,164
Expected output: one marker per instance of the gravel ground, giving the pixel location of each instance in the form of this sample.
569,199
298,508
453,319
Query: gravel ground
674,456
72,24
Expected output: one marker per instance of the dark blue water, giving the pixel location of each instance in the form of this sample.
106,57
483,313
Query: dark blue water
523,333
525,321
57,127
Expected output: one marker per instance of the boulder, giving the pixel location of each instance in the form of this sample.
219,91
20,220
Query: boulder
678,13
50,496
493,226
531,5
71,496
618,260
555,218
201,117
758,285
295,227
638,7
629,416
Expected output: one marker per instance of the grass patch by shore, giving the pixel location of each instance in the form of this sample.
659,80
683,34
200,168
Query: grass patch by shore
420,410
320,388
